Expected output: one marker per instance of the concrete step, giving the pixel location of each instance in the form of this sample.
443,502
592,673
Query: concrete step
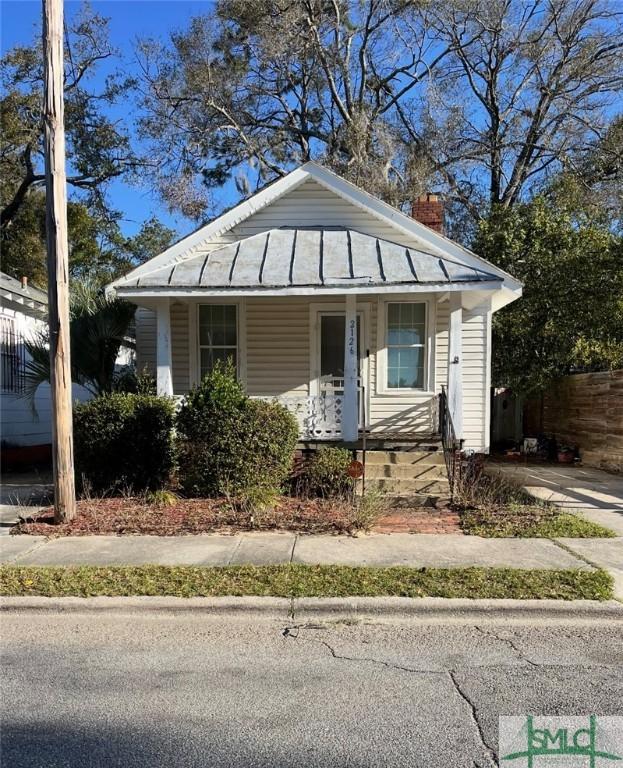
418,471
402,457
437,486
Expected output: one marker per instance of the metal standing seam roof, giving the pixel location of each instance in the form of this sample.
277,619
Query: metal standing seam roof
310,256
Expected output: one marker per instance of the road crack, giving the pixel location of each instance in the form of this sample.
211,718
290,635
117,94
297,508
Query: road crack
509,643
474,715
294,631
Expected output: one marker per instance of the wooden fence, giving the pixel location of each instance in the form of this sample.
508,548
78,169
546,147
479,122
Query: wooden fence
583,410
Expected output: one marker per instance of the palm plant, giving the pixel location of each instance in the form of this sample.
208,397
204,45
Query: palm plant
99,325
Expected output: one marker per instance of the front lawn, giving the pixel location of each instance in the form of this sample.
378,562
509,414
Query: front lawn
179,517
530,521
305,581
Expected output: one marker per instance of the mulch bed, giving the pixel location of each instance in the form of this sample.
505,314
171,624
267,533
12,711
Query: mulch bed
133,515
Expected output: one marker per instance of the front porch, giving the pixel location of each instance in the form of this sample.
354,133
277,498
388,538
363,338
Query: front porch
328,366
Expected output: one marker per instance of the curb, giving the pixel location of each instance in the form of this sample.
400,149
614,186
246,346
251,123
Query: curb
424,610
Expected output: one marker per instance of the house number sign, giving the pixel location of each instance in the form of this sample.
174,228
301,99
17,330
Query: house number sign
352,339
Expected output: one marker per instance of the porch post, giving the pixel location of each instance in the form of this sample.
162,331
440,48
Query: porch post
164,379
350,408
455,363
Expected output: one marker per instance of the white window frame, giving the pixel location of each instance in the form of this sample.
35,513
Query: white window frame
428,387
195,347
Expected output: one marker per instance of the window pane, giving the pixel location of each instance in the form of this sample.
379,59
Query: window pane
406,336
406,340
217,325
393,315
406,323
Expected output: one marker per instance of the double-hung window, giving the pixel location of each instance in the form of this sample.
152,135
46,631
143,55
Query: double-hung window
218,336
406,345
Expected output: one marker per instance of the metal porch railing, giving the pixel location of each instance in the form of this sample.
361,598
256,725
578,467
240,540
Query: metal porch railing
452,446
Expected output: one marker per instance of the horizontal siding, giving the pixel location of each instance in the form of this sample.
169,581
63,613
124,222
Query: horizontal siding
475,378
441,345
145,321
312,205
180,348
308,205
20,425
277,347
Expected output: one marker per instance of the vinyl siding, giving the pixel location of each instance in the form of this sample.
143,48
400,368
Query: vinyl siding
278,361
180,348
309,205
475,379
145,322
277,347
20,425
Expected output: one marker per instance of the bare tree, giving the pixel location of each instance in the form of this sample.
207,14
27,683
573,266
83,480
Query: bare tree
481,99
261,86
528,89
99,147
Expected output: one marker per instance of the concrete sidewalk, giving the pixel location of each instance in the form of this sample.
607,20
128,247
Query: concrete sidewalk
416,550
593,493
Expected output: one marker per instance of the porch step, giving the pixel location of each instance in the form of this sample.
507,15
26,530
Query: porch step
436,486
403,471
418,474
409,458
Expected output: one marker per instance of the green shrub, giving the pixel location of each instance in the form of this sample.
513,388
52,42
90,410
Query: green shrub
326,474
124,441
230,445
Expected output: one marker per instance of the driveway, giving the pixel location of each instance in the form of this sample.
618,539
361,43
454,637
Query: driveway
597,494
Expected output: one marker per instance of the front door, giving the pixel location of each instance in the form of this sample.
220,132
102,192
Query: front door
328,390
332,332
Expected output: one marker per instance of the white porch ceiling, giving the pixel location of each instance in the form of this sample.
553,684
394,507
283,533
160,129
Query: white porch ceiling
321,257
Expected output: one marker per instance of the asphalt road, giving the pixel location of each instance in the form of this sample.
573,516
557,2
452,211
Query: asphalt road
193,690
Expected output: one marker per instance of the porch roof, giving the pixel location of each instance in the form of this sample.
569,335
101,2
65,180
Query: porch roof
288,258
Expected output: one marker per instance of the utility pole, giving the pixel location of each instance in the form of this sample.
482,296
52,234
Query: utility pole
58,272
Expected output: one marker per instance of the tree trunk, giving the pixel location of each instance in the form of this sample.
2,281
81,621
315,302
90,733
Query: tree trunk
58,272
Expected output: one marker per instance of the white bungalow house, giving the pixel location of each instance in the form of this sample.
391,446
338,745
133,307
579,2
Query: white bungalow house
351,313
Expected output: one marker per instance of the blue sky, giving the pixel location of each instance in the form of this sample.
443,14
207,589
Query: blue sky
129,19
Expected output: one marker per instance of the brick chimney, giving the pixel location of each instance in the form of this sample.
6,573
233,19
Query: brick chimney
428,209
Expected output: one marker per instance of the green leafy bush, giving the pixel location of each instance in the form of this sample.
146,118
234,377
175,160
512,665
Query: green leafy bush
230,445
326,473
124,441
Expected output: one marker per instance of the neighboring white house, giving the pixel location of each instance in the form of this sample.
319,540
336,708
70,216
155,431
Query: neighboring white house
23,310
23,316
348,311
